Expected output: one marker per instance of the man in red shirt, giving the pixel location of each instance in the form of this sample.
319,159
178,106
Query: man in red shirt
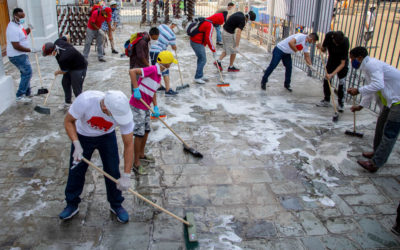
200,40
93,30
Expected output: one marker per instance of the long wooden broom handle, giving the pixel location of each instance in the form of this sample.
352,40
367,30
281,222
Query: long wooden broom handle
329,83
48,94
219,71
152,111
136,193
37,62
179,67
354,115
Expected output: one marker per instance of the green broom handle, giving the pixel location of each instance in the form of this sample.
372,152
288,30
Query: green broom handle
152,111
135,193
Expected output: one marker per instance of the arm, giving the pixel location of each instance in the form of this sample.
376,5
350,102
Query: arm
339,68
173,47
28,31
59,72
237,38
94,25
133,73
209,29
128,152
70,128
18,47
376,84
292,45
307,58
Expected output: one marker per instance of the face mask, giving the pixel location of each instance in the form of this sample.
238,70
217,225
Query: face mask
19,20
113,9
355,64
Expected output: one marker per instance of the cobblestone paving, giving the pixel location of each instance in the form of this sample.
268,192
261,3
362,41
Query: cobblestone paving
277,173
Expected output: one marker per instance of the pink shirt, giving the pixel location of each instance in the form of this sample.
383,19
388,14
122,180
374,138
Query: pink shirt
148,83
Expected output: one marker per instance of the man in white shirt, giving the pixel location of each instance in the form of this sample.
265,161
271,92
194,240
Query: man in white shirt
384,85
284,50
18,46
369,23
90,124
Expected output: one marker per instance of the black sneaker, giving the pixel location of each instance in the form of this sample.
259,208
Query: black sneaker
340,107
102,60
264,86
219,65
220,44
170,92
288,88
161,88
396,229
114,51
233,69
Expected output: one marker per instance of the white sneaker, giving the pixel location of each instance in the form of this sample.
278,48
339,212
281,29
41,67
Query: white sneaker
64,106
23,99
323,103
199,81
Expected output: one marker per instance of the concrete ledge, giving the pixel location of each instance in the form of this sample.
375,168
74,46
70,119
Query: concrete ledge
7,93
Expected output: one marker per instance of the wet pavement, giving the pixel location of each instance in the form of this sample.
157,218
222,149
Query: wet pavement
276,172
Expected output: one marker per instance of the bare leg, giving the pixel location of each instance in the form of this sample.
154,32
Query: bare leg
166,81
143,145
232,60
137,147
223,54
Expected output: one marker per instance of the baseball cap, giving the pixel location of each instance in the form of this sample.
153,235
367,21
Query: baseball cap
166,57
117,103
48,48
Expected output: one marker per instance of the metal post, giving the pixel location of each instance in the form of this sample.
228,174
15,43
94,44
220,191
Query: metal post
362,27
148,10
317,14
271,25
291,15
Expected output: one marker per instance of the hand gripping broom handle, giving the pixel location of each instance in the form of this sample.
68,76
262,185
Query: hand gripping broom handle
330,86
135,193
37,62
147,106
179,68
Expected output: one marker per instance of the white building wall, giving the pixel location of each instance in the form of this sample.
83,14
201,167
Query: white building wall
7,91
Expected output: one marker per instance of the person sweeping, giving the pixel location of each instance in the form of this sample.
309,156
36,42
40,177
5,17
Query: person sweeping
145,90
73,67
383,84
90,124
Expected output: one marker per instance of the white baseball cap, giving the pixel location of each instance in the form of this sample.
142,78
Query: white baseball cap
117,103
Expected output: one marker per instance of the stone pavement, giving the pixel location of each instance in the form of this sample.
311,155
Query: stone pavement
276,172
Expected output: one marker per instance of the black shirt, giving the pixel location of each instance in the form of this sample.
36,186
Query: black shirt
68,57
337,53
237,20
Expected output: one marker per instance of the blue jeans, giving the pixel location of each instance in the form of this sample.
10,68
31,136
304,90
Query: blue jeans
108,150
277,56
219,36
153,59
200,52
24,66
390,133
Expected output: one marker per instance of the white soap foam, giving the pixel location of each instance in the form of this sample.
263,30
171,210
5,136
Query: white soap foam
30,143
20,214
225,233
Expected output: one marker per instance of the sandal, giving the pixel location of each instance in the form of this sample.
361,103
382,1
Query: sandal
140,170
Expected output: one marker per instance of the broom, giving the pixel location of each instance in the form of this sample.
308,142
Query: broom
180,75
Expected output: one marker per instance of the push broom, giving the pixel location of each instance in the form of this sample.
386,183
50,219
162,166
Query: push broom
190,227
222,83
354,133
42,90
42,109
335,117
180,75
186,147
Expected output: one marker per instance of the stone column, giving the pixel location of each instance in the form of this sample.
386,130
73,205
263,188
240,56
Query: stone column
7,92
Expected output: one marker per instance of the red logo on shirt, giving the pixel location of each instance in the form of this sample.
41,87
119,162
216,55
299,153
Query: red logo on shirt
100,123
299,47
26,34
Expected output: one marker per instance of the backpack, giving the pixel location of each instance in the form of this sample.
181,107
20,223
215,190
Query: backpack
193,28
134,39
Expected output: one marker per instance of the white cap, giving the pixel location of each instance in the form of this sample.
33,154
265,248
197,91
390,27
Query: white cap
117,103
112,3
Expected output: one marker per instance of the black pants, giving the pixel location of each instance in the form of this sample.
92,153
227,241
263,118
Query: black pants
342,85
73,79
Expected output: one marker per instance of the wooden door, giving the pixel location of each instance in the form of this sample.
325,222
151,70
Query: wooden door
4,20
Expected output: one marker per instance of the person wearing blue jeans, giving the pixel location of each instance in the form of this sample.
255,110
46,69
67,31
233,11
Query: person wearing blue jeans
18,45
24,66
284,50
277,56
90,124
219,35
383,85
200,52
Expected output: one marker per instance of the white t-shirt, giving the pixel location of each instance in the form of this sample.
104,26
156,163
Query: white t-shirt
300,43
90,119
16,33
370,21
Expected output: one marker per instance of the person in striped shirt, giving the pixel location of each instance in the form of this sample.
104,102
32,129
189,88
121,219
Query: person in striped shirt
166,37
145,90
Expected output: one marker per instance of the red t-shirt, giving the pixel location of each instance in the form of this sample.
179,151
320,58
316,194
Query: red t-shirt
98,19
